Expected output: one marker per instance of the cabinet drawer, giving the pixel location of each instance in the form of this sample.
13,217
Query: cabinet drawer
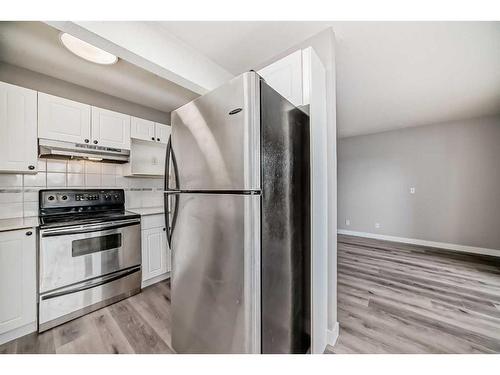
152,221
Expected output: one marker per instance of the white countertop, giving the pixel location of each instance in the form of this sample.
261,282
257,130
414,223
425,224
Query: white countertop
143,211
18,223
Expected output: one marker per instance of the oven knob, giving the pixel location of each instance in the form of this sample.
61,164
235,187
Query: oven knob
51,198
64,197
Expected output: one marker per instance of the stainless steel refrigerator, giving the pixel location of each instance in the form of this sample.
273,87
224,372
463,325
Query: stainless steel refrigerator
237,208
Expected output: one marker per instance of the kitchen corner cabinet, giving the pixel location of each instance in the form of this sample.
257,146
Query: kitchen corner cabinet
18,129
63,119
17,283
156,263
149,131
110,129
285,76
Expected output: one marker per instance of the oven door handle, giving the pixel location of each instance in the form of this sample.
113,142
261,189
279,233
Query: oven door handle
102,281
89,228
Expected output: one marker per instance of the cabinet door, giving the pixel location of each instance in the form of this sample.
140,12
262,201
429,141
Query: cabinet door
62,119
18,124
154,253
162,133
17,279
142,129
110,129
285,76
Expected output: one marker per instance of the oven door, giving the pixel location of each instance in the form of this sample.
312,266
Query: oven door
73,254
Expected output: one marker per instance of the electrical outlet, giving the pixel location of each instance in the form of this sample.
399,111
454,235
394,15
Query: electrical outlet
377,225
412,190
347,222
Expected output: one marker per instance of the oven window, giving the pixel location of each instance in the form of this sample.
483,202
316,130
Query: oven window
96,244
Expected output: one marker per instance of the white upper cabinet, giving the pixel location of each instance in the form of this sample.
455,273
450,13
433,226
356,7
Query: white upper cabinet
149,130
18,129
62,119
285,76
142,129
17,282
110,129
162,133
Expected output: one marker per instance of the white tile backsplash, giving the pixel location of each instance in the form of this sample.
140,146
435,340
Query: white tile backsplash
76,166
11,180
30,208
35,180
108,168
108,180
75,180
54,165
19,193
16,196
93,167
11,210
92,180
56,180
42,165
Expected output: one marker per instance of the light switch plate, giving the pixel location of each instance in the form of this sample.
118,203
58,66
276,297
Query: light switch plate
347,222
412,190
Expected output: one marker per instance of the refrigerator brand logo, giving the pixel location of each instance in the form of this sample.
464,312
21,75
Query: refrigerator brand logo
235,111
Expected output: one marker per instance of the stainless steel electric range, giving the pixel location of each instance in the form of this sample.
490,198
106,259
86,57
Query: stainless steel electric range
89,253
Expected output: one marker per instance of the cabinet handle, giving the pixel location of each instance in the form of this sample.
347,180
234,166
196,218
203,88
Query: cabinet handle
31,167
152,138
95,142
87,141
29,233
158,139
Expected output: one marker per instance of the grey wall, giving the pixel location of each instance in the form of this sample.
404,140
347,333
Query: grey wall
454,167
40,82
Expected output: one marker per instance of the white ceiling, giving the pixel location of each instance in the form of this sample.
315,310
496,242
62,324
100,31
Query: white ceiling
389,74
36,46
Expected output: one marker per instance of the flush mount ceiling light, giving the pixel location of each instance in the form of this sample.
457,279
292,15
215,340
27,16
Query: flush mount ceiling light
87,51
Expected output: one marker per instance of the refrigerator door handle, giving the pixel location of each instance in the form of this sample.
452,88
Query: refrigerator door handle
170,227
167,164
170,157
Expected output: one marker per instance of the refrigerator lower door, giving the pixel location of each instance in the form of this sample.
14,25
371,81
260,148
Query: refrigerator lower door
216,274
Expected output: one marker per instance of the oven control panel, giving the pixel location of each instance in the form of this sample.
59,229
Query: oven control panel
77,198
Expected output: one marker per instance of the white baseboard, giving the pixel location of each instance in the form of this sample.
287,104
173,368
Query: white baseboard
413,241
154,280
332,335
18,332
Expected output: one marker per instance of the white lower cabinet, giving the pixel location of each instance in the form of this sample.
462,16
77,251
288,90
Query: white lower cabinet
155,250
17,283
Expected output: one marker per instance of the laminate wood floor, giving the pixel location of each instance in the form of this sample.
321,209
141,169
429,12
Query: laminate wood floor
400,298
139,324
392,298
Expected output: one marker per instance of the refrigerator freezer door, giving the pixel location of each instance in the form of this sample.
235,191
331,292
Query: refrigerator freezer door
216,274
216,138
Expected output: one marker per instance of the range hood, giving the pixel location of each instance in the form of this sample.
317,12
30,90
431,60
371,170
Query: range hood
58,149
